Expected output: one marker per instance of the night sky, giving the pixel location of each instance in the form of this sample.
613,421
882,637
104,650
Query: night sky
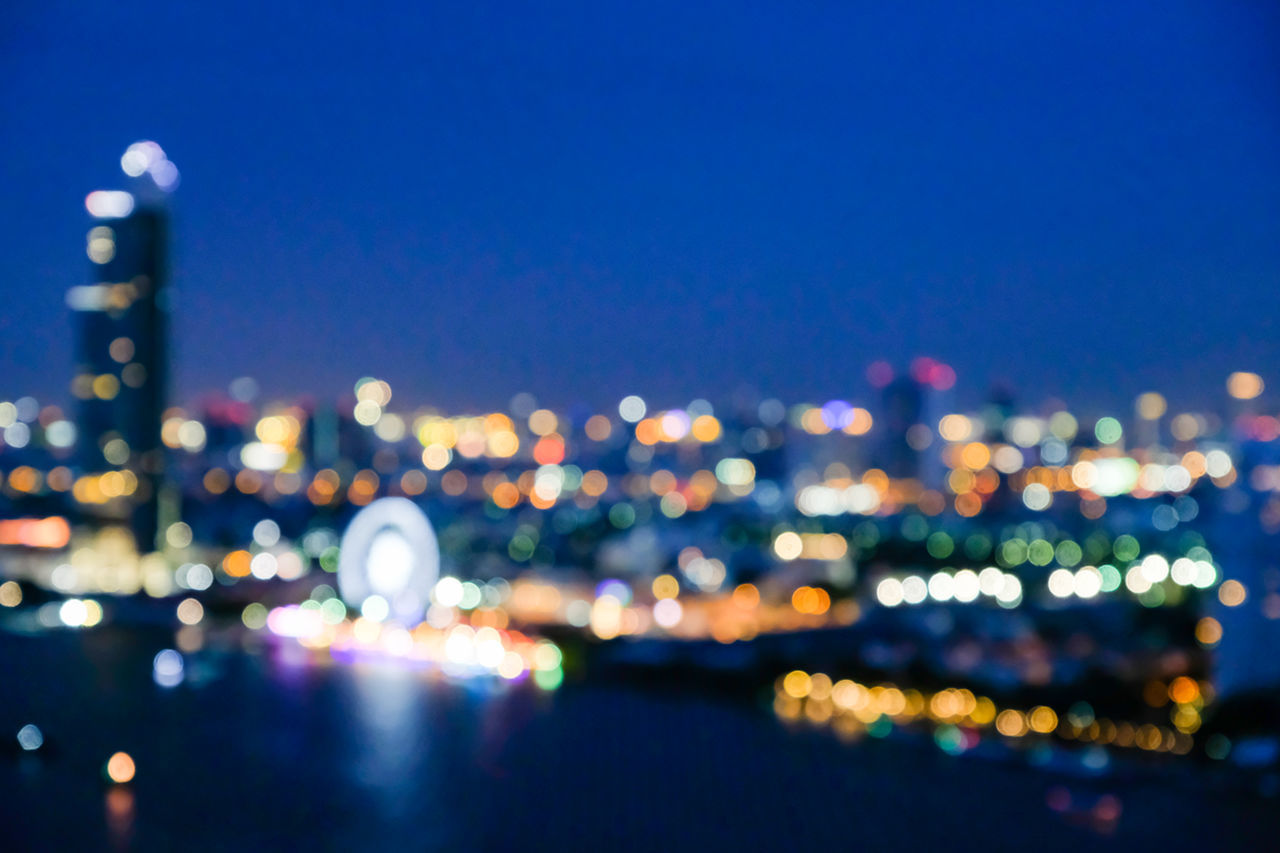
588,200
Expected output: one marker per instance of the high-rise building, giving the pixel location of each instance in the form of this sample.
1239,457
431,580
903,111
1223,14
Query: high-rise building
121,320
902,406
911,406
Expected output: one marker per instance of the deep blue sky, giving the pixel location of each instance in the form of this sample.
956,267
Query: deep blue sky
586,200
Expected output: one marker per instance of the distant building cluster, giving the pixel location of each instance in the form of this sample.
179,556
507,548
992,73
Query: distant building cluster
1140,544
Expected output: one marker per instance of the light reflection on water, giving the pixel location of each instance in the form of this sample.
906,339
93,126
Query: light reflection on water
390,704
119,805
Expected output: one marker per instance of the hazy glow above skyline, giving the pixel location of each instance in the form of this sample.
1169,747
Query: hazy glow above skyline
588,203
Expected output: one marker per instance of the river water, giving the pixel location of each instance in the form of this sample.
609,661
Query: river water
270,748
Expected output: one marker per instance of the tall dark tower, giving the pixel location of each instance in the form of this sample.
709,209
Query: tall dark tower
902,402
122,366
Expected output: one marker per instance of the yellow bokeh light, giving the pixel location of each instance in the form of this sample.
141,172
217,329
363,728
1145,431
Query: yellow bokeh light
506,495
1150,405
436,431
859,424
1185,427
665,586
796,684
960,481
706,428
278,429
1231,593
819,686
543,422
120,768
1011,723
236,564
984,711
106,386
1183,690
975,456
503,444
1042,719
806,600
648,431
746,596
1208,631
1244,385
10,594
811,421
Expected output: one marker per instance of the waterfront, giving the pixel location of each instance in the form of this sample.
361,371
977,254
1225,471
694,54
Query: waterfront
269,749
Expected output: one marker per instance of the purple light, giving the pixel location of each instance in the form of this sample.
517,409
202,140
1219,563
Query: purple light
837,414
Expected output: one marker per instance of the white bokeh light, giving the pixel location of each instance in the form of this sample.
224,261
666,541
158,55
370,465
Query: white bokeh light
390,562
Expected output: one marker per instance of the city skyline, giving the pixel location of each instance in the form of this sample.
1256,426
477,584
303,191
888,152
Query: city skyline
470,240
735,427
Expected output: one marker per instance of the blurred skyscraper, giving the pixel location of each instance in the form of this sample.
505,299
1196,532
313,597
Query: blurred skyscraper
911,406
121,320
902,406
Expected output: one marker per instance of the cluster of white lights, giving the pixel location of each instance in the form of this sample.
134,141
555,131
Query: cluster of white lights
109,204
1121,475
708,574
548,482
195,576
148,158
1155,569
963,586
1086,582
858,499
451,595
73,613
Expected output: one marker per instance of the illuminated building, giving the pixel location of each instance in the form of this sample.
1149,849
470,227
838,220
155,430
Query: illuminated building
121,343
